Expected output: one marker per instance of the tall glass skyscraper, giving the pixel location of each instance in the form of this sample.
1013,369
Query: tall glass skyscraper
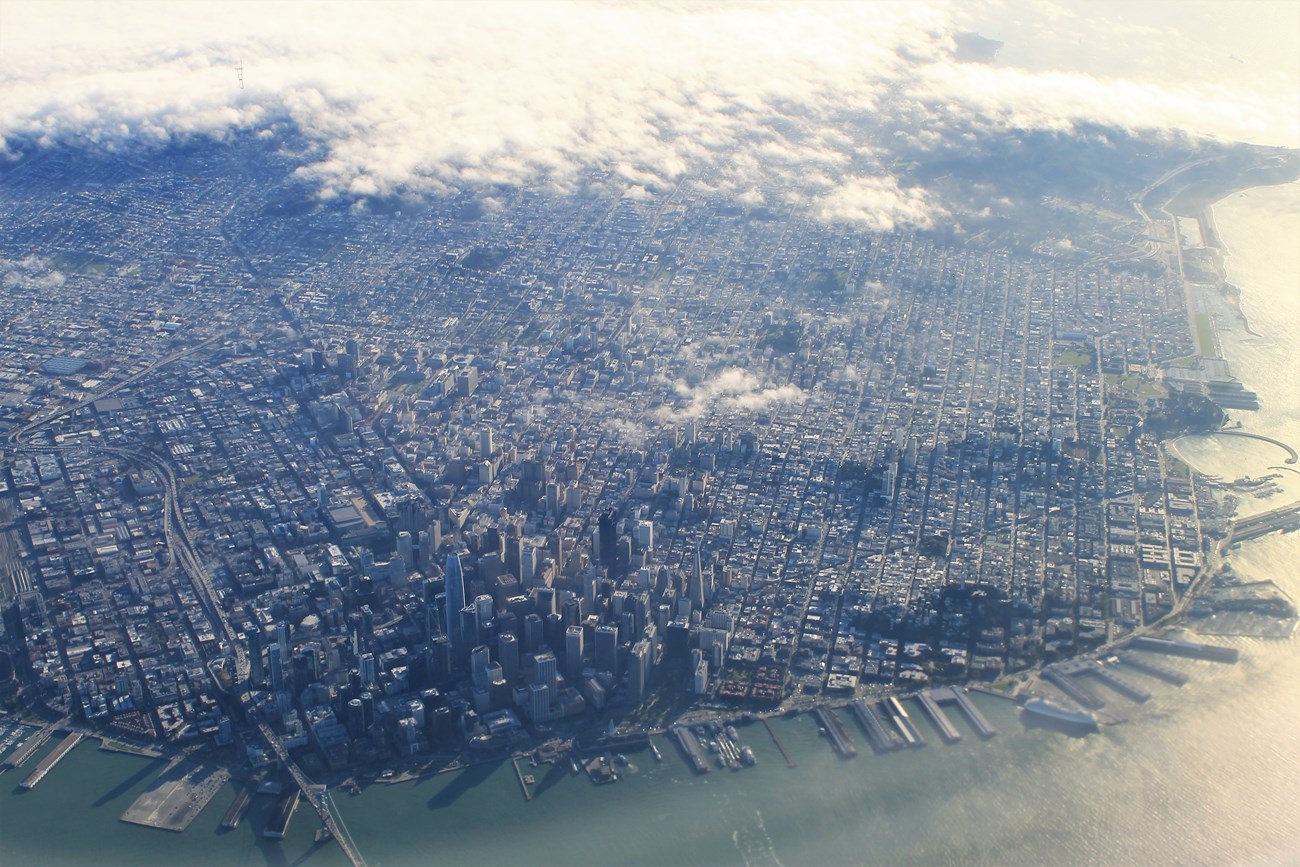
455,596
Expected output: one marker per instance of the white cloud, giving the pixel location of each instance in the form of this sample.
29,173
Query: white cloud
430,97
731,389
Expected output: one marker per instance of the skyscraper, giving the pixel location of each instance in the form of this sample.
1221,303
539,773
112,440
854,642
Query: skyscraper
455,592
548,671
573,652
696,583
256,671
640,662
607,648
508,655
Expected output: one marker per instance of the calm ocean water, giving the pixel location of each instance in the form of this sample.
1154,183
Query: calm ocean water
1209,773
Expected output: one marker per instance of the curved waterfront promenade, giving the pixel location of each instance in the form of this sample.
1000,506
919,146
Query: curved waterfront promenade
1292,455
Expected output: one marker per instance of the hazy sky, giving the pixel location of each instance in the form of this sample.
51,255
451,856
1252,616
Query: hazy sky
430,96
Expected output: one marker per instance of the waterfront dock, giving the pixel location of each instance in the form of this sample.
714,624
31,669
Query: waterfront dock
835,731
910,733
789,762
177,796
947,730
882,740
28,748
1063,680
523,784
278,825
52,759
1190,649
231,820
1154,669
957,696
1118,682
691,747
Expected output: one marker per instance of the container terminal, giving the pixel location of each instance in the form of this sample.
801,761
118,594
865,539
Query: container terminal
1154,669
1191,649
947,730
835,731
882,740
52,759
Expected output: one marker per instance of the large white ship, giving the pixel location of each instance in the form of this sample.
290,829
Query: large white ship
1048,711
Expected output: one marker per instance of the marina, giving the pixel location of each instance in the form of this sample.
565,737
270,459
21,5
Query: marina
28,748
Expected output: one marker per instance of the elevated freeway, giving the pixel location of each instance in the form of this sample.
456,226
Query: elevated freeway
181,545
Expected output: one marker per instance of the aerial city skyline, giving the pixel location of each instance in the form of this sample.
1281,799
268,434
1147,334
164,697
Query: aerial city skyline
479,397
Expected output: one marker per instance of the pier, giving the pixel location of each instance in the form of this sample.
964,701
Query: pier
947,730
835,731
1191,649
957,696
882,740
1117,682
54,757
175,799
231,820
523,784
278,826
789,762
691,747
27,748
911,734
1075,690
1154,669
1281,518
